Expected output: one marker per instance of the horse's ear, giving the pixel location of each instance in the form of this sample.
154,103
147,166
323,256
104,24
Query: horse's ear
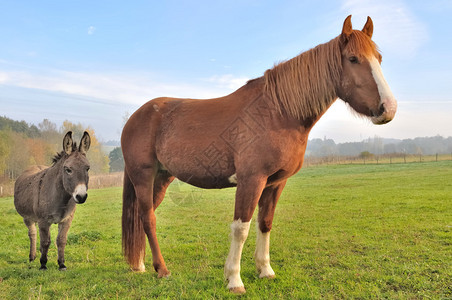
67,143
85,142
368,28
347,27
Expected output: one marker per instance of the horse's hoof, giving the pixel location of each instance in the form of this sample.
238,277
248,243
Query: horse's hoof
240,290
140,269
164,273
43,268
270,275
62,268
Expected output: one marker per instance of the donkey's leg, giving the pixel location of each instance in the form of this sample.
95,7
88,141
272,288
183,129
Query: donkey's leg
267,205
61,240
247,195
144,189
44,238
32,234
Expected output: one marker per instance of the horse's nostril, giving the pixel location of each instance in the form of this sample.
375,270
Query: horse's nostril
379,112
382,109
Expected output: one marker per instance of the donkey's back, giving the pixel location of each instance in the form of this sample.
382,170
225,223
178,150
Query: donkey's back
26,191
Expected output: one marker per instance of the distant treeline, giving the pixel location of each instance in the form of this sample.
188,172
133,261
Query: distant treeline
378,146
23,145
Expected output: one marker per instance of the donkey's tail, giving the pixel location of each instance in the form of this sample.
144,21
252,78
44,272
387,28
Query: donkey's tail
133,236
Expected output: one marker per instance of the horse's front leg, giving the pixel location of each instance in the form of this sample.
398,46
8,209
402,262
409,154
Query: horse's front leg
61,240
247,195
44,238
267,205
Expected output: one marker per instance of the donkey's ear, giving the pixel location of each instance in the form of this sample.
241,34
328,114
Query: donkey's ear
67,143
85,142
368,28
347,27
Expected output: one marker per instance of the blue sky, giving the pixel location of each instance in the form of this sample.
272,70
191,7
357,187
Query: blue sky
94,62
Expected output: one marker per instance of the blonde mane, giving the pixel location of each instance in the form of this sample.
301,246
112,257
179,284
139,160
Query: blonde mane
305,86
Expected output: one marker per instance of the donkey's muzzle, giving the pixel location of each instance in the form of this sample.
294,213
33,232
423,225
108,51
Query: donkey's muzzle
80,194
80,199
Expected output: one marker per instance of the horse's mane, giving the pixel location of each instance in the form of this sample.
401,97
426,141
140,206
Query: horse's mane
62,154
305,86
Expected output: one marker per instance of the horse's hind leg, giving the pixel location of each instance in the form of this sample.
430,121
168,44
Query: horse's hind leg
161,183
144,189
44,238
31,225
267,205
61,240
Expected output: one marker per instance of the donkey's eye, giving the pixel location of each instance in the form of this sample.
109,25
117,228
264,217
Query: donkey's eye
353,59
68,171
87,169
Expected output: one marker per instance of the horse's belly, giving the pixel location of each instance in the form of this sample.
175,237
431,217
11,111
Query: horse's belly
208,181
205,169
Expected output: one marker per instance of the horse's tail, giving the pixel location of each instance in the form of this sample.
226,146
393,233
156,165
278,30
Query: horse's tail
133,236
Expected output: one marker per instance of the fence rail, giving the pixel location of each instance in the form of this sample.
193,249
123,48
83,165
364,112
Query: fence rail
95,182
375,159
115,179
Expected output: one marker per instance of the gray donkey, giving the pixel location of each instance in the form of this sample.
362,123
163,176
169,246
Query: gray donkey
48,195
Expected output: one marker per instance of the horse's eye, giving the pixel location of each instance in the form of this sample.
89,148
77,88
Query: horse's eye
68,171
353,59
87,169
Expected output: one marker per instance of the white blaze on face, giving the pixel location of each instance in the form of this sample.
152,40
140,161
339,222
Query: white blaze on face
386,96
80,190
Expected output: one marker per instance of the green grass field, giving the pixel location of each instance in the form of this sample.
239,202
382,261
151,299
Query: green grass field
345,231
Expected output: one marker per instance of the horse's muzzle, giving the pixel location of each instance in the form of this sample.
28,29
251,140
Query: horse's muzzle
385,113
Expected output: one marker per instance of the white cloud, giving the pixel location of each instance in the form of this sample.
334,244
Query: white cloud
91,30
227,81
131,88
3,77
396,28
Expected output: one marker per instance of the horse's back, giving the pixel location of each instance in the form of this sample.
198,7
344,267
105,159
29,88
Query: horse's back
26,189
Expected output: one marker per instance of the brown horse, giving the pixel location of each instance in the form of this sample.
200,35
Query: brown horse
254,138
48,195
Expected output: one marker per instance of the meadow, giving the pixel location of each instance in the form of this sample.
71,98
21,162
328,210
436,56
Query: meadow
340,231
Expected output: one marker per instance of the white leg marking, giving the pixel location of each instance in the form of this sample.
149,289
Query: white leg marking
262,254
233,178
239,233
386,96
141,268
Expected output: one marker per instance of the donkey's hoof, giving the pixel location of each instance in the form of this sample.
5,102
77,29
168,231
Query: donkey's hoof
164,273
43,268
62,268
240,290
